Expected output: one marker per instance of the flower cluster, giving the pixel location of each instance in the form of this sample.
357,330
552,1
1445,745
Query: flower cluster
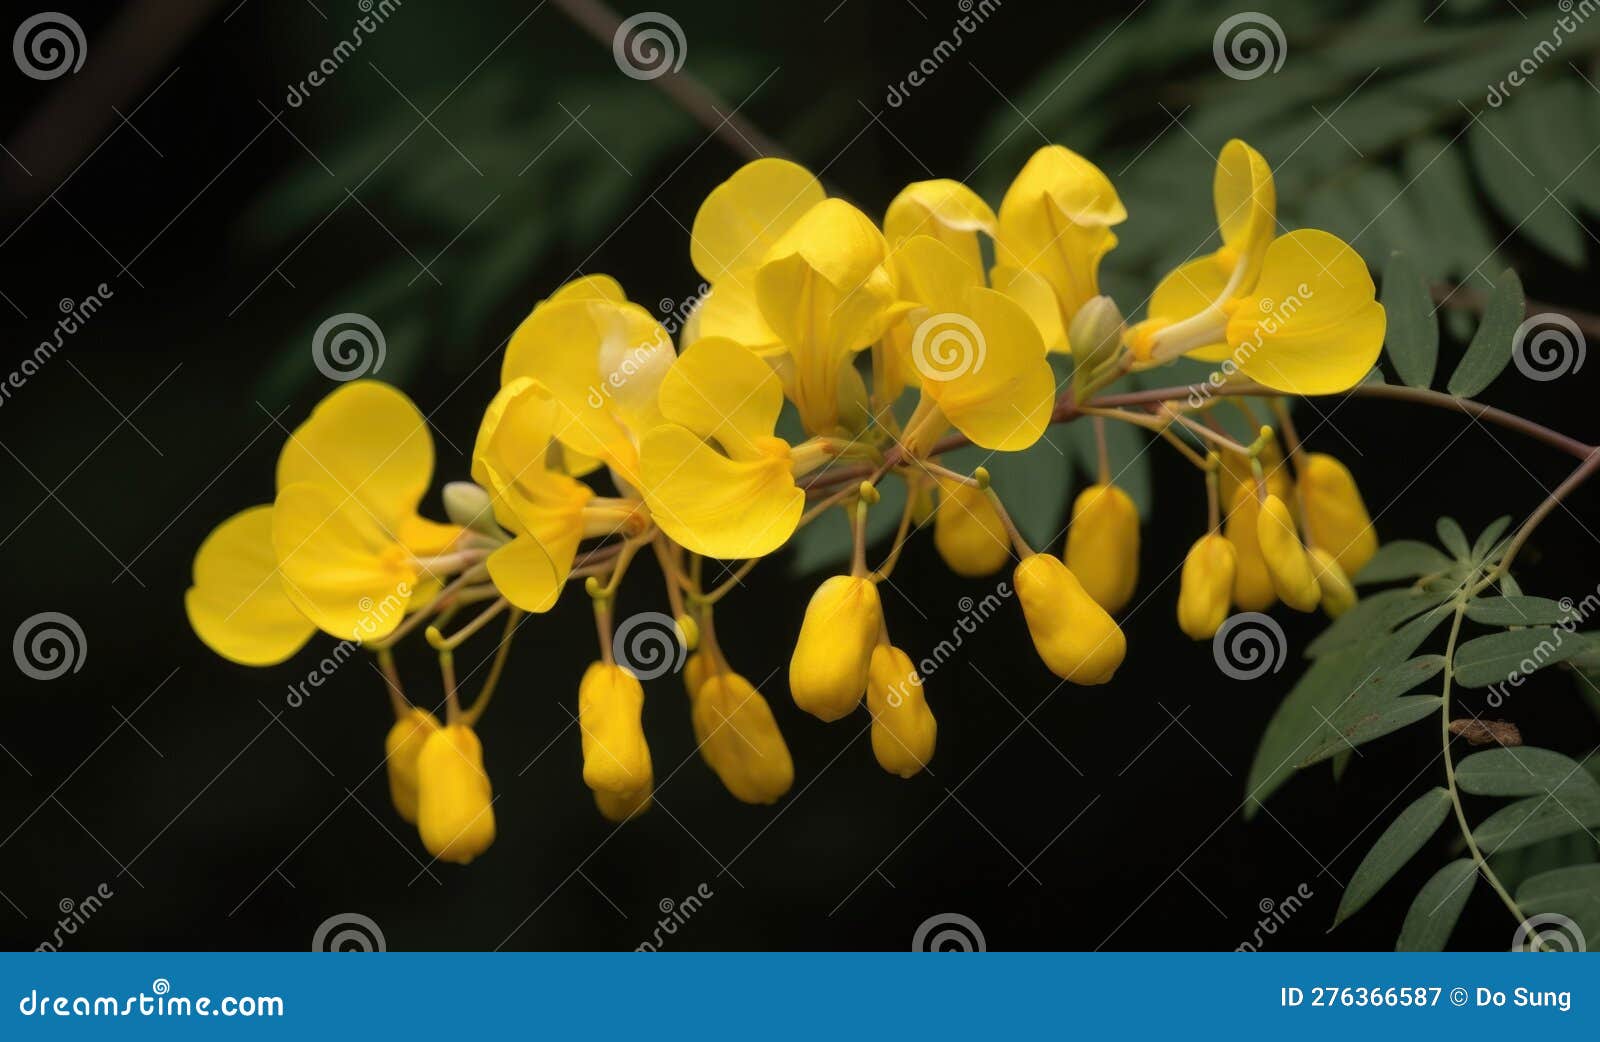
892,343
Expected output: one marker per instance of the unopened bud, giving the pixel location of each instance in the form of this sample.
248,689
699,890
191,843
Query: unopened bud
1095,333
469,506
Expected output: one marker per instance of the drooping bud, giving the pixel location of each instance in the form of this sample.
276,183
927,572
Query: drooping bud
1336,517
1094,334
455,805
1287,561
401,747
740,739
1206,587
968,532
828,673
1252,583
903,728
695,671
616,758
1338,595
1073,634
1103,545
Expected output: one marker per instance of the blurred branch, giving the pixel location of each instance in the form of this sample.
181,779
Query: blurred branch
688,92
1448,295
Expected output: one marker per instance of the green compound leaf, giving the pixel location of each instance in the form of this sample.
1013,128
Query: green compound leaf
1438,905
1398,844
1413,339
1498,657
1491,345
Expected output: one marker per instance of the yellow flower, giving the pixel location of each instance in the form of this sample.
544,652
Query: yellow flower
238,605
1073,634
968,532
716,479
828,673
1287,562
903,728
1336,517
1055,222
350,545
402,748
1338,595
978,355
602,359
1252,583
455,805
740,739
945,210
1103,545
1206,586
616,757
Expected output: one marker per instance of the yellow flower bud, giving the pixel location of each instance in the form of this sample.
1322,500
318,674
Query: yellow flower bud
1206,588
828,673
1287,560
1074,635
455,806
1336,517
1338,595
903,728
620,808
616,759
400,749
968,532
1252,584
740,739
1103,545
695,671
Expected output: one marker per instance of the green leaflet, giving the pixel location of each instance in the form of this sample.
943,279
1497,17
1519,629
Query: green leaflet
1521,771
1576,805
1402,559
1413,333
1453,538
1438,905
1517,611
1503,657
1399,842
1491,345
1374,617
1359,728
1573,891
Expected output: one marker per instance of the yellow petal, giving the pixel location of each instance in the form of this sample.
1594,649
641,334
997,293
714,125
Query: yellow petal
527,574
1338,595
1287,561
903,728
968,532
1055,221
515,434
1037,299
238,605
1080,190
343,571
714,505
1336,516
739,738
1206,587
367,440
1246,203
455,804
590,287
616,757
985,367
1253,589
401,750
721,390
1313,325
933,274
730,310
1074,636
1188,290
744,215
1103,545
945,209
828,671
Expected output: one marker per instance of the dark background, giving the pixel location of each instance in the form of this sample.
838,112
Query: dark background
220,817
